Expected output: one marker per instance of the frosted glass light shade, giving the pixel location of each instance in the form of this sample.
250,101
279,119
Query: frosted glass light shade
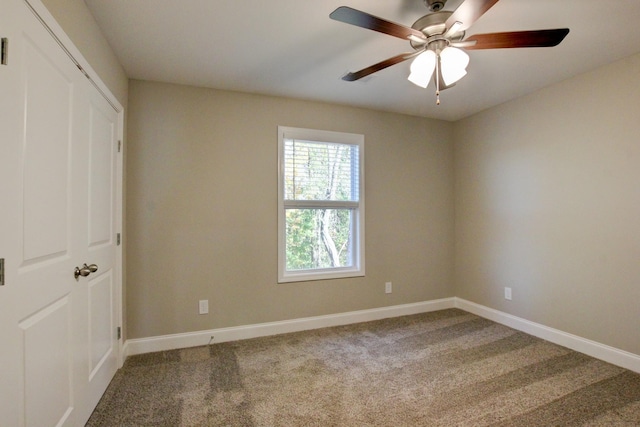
453,63
422,68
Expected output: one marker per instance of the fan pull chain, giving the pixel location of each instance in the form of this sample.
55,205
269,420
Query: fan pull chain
438,80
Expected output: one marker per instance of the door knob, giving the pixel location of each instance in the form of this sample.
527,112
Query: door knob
84,272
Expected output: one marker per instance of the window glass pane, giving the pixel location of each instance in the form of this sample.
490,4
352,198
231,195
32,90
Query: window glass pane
320,171
318,238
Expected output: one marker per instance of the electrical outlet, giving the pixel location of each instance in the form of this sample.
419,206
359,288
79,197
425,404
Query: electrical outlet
387,288
204,306
507,294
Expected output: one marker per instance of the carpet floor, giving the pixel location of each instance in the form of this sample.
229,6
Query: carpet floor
445,368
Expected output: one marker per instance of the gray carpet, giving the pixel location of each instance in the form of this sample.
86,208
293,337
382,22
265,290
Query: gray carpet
445,368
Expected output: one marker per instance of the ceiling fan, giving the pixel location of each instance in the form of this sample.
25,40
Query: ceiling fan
438,41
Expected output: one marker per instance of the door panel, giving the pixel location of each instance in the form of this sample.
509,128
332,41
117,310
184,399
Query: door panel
102,158
100,320
46,339
46,148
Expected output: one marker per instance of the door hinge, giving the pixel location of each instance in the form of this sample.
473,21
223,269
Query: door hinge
119,145
4,51
119,332
118,239
1,271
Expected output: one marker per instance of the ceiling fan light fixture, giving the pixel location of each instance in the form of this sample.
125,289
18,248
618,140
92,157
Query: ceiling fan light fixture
451,78
422,68
453,64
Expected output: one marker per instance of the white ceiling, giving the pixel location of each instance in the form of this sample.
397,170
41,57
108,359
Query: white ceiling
292,48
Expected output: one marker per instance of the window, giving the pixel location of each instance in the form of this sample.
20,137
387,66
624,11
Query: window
320,205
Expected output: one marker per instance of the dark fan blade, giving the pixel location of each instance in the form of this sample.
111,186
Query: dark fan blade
350,77
468,13
539,38
361,19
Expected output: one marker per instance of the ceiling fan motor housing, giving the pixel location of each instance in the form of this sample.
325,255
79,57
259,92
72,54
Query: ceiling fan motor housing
432,25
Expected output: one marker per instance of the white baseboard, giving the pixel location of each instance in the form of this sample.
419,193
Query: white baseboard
609,354
193,339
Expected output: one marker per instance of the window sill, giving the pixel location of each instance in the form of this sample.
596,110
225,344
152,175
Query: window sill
319,275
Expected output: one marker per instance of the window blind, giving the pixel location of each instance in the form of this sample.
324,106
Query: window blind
320,171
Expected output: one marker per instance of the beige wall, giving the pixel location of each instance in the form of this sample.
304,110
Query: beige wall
78,23
547,199
202,210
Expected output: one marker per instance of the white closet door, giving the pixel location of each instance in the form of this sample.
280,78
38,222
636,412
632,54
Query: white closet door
58,332
100,247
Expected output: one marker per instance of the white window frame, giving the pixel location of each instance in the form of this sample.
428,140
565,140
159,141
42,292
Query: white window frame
357,269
